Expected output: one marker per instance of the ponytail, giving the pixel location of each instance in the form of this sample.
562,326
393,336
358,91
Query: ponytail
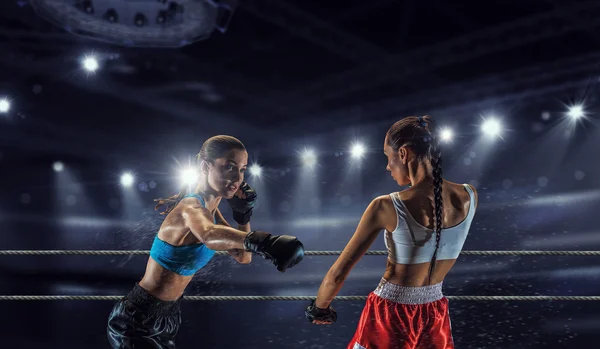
170,202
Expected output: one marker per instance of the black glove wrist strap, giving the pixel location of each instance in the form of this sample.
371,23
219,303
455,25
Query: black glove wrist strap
315,313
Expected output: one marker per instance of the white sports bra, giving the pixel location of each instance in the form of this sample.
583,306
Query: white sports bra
412,243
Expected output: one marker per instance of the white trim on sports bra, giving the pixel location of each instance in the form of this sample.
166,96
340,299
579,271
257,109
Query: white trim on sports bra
413,243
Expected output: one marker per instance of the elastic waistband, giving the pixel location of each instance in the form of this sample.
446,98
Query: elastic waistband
152,305
409,295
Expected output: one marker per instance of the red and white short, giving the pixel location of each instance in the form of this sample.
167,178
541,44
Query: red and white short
399,317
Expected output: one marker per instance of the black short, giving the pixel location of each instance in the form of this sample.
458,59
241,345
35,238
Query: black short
140,321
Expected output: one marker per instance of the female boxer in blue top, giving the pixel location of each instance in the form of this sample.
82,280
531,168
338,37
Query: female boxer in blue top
149,316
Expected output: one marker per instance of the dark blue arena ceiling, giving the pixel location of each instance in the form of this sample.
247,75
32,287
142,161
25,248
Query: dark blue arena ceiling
290,74
284,64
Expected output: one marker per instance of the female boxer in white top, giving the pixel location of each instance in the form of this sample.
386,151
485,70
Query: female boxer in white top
425,228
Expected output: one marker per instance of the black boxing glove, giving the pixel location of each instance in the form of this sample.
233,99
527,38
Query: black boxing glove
313,313
285,251
242,207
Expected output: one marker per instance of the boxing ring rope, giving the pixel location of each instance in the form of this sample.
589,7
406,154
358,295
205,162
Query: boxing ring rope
306,253
301,298
292,298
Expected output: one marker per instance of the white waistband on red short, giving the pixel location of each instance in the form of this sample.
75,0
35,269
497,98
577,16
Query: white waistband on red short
409,295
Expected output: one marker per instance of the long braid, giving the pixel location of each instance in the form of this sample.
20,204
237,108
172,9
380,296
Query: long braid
438,210
420,134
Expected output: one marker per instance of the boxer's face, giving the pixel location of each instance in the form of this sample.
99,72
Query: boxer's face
397,163
225,174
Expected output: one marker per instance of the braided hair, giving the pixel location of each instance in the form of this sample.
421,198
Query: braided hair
212,149
421,135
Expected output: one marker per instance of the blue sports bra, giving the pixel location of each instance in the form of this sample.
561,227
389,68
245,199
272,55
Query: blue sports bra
182,260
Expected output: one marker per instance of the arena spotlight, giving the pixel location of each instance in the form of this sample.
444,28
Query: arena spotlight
255,170
357,150
127,179
139,23
576,112
446,135
309,158
4,105
90,63
58,166
189,176
491,127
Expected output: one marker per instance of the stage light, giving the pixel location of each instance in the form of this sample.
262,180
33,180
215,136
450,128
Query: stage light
255,170
58,166
4,105
189,176
127,179
111,15
309,158
90,63
140,20
139,23
357,150
576,112
446,135
491,127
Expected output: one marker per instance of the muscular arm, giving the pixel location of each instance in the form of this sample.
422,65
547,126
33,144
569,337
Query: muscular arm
216,237
240,255
368,228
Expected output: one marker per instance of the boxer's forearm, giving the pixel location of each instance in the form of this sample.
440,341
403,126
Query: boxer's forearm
328,290
242,256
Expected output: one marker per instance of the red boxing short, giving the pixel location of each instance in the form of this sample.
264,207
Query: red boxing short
399,317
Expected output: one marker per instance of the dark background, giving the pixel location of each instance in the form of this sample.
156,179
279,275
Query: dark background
288,75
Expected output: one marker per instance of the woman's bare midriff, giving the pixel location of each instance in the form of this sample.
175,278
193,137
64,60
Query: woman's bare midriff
162,283
416,275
